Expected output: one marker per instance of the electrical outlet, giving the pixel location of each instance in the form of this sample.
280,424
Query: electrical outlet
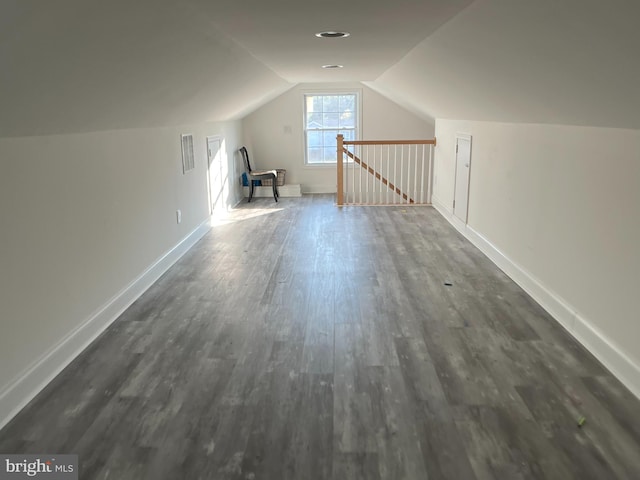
179,216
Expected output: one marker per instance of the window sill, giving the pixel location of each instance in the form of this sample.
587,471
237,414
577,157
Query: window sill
320,165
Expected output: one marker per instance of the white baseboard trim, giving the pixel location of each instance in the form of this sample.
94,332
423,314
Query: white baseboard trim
284,191
441,207
610,355
318,189
17,394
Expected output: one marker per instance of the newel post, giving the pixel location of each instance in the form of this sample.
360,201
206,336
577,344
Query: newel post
340,190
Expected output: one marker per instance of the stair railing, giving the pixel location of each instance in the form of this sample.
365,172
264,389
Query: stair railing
384,172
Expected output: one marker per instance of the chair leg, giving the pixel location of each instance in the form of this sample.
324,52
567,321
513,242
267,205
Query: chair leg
250,190
275,190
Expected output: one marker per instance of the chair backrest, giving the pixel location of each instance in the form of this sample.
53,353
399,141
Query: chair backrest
245,159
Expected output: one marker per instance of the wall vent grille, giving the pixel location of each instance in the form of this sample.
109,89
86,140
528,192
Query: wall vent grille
188,160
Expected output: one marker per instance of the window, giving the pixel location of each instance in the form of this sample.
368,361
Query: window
326,116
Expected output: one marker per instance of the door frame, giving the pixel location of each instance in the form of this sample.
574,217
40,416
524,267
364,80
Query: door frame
208,138
466,137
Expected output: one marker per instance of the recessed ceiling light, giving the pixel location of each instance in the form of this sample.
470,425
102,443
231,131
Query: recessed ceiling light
332,34
332,66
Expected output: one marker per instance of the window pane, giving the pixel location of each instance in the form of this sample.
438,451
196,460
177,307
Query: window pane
314,120
330,155
347,102
313,103
329,138
348,134
347,119
330,120
325,117
314,138
330,103
315,155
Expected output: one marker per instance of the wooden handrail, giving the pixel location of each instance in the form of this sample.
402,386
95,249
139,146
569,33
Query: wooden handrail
384,181
389,142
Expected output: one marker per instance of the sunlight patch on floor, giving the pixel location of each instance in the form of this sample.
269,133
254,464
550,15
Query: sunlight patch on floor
238,215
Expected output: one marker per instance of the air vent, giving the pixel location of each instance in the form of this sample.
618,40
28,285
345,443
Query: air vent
188,161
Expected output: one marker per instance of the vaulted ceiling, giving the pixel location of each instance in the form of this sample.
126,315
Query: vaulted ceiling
83,65
280,33
574,62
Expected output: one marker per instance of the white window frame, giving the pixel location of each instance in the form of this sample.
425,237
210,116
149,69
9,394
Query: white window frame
353,91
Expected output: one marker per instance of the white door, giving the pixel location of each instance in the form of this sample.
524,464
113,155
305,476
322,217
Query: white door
463,166
215,178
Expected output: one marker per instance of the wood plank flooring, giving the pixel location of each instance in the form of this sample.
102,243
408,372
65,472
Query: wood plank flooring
302,341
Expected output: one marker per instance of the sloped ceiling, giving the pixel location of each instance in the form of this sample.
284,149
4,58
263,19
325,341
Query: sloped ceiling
83,65
574,62
280,33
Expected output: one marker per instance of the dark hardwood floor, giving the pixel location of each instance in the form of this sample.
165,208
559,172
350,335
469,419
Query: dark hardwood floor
302,341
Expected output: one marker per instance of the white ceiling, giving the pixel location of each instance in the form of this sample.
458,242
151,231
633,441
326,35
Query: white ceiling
85,65
281,33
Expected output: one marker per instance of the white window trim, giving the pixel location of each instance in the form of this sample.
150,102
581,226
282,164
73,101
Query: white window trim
340,91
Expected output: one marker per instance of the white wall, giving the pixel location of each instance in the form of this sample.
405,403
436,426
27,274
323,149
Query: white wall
84,217
271,145
558,207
